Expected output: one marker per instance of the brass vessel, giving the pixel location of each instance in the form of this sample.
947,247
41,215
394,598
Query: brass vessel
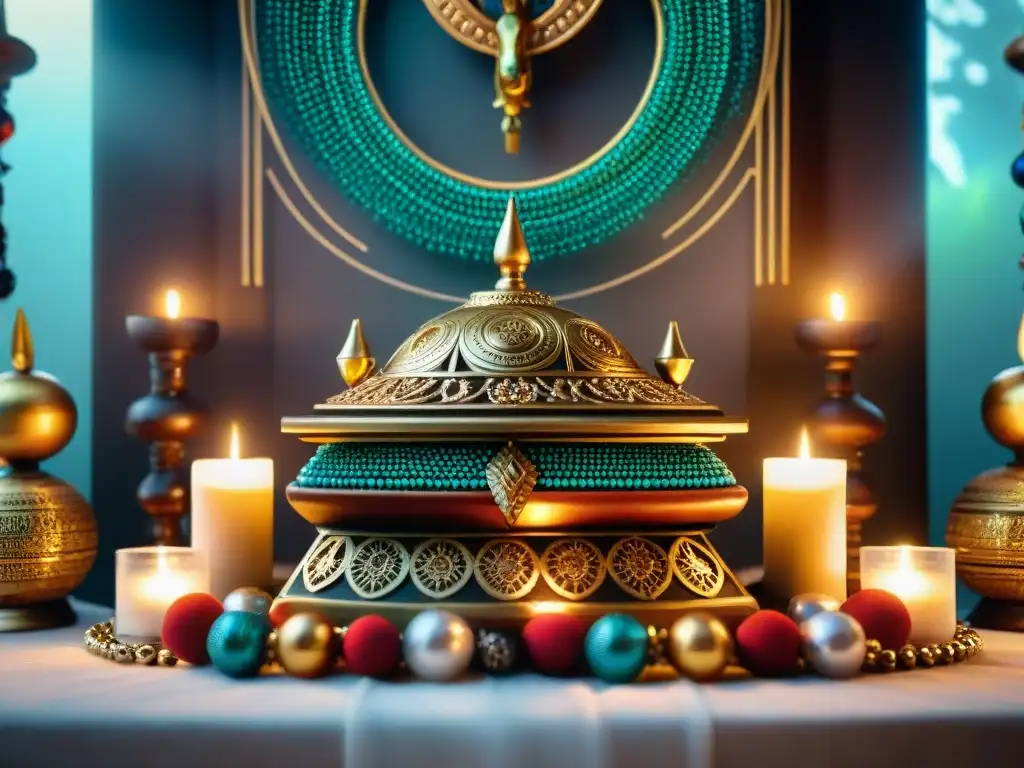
48,535
512,458
986,523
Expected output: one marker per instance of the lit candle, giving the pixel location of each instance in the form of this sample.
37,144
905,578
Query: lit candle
233,519
804,525
172,304
149,579
837,307
924,578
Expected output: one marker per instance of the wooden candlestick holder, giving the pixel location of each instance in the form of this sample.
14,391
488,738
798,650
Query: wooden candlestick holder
168,416
845,421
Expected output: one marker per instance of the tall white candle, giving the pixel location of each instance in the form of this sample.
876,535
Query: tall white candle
805,525
924,578
233,519
149,579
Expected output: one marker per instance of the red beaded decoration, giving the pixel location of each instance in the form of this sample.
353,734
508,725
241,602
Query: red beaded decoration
186,625
372,646
555,643
768,644
883,616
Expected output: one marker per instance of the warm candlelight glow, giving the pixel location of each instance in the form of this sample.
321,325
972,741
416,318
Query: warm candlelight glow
236,450
924,578
805,444
172,304
1020,340
548,607
148,580
837,306
164,585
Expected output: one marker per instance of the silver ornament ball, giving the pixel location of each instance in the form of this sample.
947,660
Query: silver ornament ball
248,600
833,644
438,645
810,604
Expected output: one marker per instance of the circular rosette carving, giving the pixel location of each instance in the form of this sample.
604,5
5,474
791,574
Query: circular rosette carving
513,339
427,349
507,569
640,567
441,567
327,563
573,568
377,568
696,568
596,348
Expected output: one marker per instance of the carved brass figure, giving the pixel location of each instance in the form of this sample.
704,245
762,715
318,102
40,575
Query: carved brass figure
512,38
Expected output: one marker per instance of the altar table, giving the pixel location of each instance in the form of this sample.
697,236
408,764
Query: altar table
60,706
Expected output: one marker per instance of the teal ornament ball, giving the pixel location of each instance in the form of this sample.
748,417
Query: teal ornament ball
237,643
616,648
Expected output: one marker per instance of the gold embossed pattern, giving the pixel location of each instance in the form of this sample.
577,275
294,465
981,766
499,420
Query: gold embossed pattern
48,539
640,567
394,390
573,568
510,339
469,25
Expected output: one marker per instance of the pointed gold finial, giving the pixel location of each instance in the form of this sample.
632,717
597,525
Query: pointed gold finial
354,360
22,353
510,253
672,362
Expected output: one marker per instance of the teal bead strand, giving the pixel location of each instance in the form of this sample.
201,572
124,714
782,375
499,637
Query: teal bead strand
312,75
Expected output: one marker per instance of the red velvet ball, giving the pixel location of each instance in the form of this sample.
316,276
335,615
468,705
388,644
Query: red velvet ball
186,625
768,644
280,613
372,646
555,643
883,616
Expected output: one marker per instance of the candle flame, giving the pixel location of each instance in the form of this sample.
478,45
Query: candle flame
837,306
172,304
236,450
805,444
1020,340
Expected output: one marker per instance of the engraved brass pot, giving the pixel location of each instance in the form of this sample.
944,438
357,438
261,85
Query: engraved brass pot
512,457
986,523
48,535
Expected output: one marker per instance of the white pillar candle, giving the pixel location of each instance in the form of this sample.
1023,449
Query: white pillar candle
805,525
924,578
233,519
149,579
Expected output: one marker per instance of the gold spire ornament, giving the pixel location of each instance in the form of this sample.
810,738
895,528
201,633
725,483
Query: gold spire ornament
512,39
354,360
510,252
48,534
672,362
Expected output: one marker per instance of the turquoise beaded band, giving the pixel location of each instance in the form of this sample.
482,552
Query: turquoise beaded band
311,72
560,466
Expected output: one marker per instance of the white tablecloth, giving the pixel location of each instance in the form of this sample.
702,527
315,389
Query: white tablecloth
60,706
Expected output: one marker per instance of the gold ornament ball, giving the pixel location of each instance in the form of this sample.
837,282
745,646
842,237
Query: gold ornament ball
1002,407
307,645
925,657
699,647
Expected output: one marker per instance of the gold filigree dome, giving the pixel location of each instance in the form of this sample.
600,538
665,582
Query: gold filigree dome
512,346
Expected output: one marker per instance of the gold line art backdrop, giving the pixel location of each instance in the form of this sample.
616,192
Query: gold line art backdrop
760,161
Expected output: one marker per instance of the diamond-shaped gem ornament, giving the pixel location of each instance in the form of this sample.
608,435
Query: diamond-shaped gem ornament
511,477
